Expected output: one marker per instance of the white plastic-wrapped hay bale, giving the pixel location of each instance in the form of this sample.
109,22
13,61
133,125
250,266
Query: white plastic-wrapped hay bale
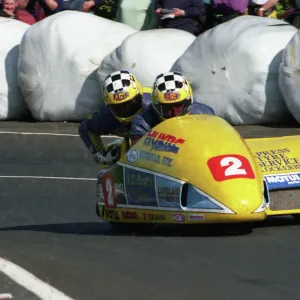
147,53
234,68
289,76
58,59
12,105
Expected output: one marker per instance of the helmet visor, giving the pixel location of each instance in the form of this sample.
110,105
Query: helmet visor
176,109
127,109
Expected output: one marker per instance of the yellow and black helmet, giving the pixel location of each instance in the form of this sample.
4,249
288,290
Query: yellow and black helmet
172,95
123,94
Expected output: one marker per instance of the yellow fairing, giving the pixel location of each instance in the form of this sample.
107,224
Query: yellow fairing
208,153
279,156
276,155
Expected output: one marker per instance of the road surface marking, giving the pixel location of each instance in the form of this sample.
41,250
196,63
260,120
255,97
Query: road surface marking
51,134
49,177
38,133
30,282
6,296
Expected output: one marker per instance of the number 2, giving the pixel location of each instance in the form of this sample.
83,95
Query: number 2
108,191
230,166
233,169
110,199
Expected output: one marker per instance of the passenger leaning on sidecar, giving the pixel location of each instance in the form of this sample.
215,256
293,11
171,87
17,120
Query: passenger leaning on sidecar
172,96
124,98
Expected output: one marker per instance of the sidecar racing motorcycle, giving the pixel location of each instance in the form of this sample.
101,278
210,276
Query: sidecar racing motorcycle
197,169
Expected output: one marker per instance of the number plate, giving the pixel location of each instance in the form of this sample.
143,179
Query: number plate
226,167
108,191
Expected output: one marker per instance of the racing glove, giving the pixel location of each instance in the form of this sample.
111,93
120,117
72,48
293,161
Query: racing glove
108,157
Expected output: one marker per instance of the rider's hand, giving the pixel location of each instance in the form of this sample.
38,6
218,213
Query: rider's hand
108,157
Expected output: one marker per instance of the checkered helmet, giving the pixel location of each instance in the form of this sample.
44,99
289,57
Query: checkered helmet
172,95
123,94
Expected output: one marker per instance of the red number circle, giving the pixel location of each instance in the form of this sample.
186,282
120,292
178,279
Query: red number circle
230,166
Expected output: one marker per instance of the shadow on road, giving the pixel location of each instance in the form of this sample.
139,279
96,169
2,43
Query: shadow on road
104,228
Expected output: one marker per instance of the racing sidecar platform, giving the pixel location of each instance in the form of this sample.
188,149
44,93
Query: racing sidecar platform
198,169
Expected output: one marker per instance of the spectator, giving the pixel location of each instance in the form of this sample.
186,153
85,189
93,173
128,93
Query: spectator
263,8
138,14
8,9
289,11
90,4
220,11
285,7
185,15
22,14
31,7
105,9
73,5
47,8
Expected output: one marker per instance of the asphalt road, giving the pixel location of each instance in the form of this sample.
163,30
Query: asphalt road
49,227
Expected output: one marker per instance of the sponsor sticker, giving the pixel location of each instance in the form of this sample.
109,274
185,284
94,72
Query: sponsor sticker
129,215
168,192
120,96
155,158
158,141
140,188
100,196
178,218
132,155
171,96
230,166
278,160
196,217
283,181
154,217
110,214
166,161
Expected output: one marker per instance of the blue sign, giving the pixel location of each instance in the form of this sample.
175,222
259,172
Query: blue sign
140,188
168,192
284,181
